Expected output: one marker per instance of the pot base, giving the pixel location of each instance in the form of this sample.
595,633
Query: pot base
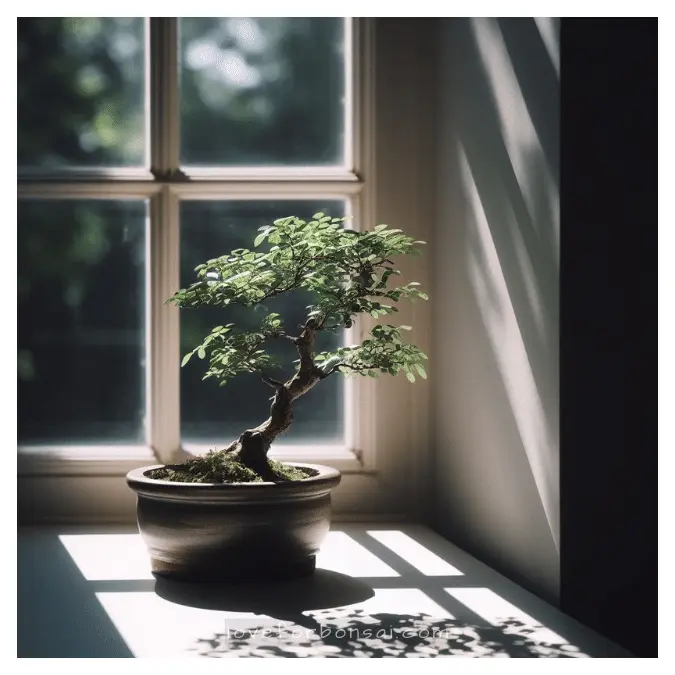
250,571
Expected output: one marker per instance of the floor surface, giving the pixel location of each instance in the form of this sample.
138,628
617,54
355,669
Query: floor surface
379,591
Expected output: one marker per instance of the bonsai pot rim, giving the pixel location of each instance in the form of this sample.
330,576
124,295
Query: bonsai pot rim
308,488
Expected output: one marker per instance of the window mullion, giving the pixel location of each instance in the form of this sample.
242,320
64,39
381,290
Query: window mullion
163,399
164,97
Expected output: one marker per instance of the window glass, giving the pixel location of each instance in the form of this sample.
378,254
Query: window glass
81,321
262,91
80,92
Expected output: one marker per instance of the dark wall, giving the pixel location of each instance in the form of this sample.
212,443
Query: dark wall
568,511
608,321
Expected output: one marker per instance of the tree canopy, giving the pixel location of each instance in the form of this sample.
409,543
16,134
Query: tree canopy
347,273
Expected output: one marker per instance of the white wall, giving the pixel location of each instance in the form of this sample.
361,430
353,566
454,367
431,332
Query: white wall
496,282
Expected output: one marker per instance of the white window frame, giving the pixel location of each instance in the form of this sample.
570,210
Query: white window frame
378,413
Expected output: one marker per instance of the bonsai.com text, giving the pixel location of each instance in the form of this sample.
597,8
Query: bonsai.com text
303,634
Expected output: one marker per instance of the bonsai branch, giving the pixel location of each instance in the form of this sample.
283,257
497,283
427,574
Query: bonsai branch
271,381
285,336
254,444
353,369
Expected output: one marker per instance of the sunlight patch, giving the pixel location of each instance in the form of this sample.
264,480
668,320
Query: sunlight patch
152,626
108,557
340,553
414,553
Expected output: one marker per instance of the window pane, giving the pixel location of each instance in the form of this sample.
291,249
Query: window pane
81,315
262,91
210,413
81,92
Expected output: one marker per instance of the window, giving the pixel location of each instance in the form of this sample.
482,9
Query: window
146,146
137,156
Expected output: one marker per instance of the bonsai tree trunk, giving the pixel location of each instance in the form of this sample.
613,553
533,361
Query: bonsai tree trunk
254,444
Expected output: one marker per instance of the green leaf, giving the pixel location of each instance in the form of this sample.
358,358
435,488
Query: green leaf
201,353
421,370
186,358
259,239
410,376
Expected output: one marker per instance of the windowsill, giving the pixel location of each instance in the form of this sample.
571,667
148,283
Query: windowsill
92,460
118,460
335,173
87,484
89,592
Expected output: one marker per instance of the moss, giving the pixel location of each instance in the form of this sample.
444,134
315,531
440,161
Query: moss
218,466
290,472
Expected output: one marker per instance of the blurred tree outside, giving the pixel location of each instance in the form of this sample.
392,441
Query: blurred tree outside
80,92
262,91
253,91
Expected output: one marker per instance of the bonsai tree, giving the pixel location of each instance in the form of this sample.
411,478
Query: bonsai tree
347,273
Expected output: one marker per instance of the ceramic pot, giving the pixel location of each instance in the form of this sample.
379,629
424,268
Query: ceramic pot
207,531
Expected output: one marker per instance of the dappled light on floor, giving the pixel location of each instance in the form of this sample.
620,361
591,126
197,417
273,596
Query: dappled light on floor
358,634
395,622
377,592
152,626
497,611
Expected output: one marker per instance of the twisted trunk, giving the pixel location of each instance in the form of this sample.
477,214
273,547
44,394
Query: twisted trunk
254,444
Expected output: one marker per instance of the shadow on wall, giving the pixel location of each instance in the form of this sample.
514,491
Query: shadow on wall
498,275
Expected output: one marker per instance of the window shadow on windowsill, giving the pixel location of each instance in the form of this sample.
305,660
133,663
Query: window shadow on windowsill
392,591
